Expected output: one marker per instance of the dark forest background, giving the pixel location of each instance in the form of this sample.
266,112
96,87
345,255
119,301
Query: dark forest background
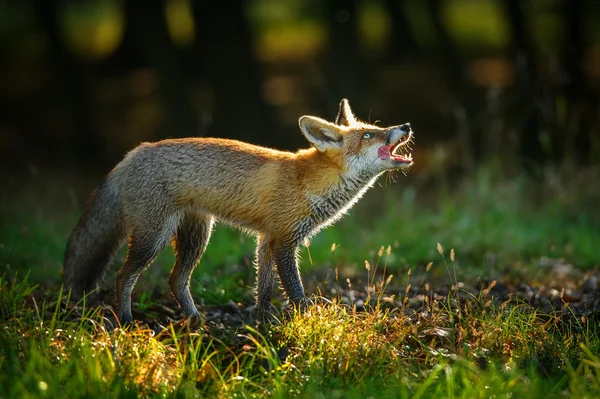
82,82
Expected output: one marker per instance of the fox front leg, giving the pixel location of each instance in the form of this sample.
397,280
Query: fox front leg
286,259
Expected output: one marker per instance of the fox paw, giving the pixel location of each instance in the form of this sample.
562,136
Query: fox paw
194,321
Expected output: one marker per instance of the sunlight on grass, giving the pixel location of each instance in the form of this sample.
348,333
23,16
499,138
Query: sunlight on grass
466,349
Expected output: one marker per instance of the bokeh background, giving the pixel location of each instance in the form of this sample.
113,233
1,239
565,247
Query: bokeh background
503,96
82,82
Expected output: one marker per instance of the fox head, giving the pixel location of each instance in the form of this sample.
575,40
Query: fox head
361,146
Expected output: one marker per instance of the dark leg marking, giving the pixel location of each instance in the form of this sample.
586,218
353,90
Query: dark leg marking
287,266
191,240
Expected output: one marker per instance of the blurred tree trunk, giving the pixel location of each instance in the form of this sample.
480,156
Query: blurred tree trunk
86,138
467,100
345,75
576,140
527,104
147,28
229,67
404,44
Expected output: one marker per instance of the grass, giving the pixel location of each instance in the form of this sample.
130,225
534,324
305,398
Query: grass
460,351
453,348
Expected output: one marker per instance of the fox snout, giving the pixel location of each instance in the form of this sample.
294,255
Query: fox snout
399,134
396,139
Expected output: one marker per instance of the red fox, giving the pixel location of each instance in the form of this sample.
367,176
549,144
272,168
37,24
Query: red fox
174,190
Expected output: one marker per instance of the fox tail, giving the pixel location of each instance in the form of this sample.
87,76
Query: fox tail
92,246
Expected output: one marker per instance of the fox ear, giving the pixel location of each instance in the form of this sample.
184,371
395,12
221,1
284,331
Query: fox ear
345,117
322,134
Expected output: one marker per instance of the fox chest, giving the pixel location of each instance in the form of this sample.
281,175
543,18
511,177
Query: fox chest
335,202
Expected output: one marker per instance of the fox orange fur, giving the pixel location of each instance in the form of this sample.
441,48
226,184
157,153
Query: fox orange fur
173,190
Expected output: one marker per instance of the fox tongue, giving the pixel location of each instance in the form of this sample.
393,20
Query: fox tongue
384,152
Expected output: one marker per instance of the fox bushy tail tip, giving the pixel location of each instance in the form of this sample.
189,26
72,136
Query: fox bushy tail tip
94,242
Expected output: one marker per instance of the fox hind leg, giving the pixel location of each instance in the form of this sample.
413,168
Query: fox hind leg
144,246
265,264
191,240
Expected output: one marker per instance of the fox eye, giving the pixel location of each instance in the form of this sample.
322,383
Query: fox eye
368,136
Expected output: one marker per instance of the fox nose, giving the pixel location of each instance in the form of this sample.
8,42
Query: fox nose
405,128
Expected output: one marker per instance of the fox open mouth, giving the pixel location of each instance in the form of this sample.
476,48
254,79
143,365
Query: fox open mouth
392,152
